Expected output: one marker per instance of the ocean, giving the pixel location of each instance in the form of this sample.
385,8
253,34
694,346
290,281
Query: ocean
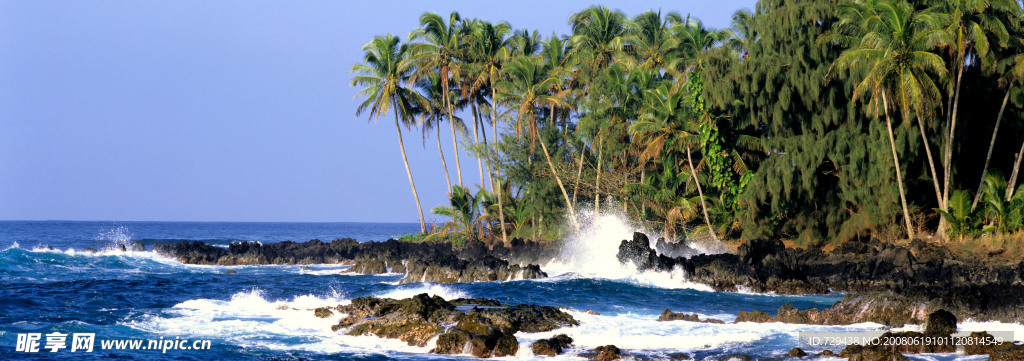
263,312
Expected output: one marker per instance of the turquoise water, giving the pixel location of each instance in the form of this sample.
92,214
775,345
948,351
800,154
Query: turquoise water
262,312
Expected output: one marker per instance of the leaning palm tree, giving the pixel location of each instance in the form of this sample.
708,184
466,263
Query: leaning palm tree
438,55
432,113
384,70
970,25
895,51
525,87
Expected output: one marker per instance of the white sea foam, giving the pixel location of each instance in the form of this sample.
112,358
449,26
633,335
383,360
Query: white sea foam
250,319
645,332
591,252
409,290
116,238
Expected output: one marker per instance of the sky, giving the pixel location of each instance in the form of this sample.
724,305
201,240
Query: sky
225,110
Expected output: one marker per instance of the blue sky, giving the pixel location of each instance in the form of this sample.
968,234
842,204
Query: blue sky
223,110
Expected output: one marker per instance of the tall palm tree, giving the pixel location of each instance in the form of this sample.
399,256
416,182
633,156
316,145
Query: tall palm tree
384,70
525,87
663,128
432,112
598,32
969,27
437,54
895,49
492,48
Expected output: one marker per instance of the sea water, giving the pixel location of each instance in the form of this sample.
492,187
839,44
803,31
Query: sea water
264,312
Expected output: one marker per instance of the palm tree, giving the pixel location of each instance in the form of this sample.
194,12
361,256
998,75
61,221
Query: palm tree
464,210
895,49
525,87
649,39
969,27
742,34
491,49
662,128
598,32
1012,68
431,115
438,54
384,69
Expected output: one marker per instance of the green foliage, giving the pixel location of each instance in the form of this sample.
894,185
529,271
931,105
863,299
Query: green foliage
962,222
464,211
780,115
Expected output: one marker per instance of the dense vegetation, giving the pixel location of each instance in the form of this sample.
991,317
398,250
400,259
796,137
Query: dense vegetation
812,120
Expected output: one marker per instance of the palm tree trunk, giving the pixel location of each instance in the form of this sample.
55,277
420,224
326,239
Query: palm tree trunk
948,152
401,146
991,145
496,177
455,144
703,207
1010,187
487,153
597,182
447,178
579,174
896,163
572,211
931,163
476,141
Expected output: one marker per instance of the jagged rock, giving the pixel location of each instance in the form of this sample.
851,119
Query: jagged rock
485,326
796,352
854,266
827,353
940,323
607,353
668,315
421,262
368,266
323,312
507,345
789,314
452,342
230,271
551,346
136,246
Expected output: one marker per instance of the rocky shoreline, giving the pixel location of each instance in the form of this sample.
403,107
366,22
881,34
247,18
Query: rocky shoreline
889,284
420,262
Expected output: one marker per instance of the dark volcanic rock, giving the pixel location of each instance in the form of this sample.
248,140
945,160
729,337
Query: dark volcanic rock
551,346
940,323
796,352
482,327
668,315
857,265
427,261
607,353
789,314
